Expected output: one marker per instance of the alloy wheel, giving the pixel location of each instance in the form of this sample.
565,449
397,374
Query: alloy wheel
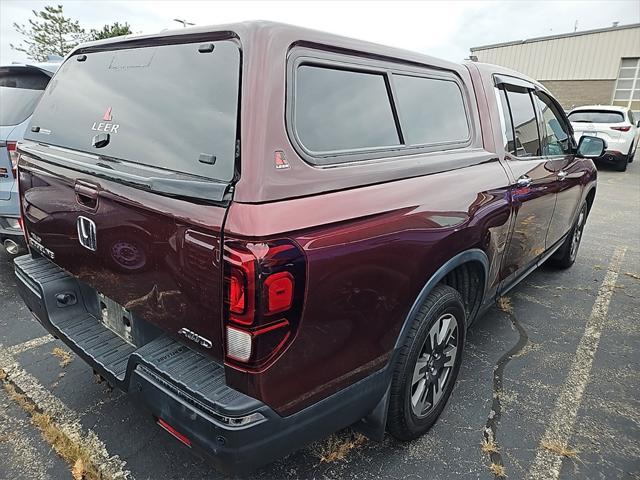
577,234
434,365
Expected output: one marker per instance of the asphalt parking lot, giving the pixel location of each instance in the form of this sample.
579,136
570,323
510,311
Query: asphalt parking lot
550,378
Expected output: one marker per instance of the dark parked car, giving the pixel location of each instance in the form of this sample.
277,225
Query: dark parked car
293,237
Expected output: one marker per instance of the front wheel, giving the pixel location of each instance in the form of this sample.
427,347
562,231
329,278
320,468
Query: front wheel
567,253
428,364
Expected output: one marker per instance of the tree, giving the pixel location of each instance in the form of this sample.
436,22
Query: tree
109,31
49,33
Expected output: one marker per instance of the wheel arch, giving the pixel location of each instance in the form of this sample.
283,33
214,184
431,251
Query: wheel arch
468,256
374,424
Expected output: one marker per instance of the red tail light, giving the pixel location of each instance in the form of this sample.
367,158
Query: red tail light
24,230
237,291
264,291
621,129
278,292
13,156
21,218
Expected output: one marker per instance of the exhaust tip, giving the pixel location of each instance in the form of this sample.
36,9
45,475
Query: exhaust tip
11,247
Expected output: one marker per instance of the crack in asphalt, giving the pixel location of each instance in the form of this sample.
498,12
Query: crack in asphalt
491,427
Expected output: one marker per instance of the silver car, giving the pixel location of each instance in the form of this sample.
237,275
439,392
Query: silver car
21,86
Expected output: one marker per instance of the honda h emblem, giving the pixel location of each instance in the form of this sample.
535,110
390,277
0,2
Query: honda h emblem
87,233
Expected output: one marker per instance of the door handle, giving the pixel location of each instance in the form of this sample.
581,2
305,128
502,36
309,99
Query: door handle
86,194
523,181
562,175
86,190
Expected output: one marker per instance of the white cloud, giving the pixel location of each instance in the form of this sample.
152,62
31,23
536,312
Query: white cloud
443,29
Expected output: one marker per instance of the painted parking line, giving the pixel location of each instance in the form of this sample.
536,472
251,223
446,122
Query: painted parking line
68,421
546,465
25,456
28,345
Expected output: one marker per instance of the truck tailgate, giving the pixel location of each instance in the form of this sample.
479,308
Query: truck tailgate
157,257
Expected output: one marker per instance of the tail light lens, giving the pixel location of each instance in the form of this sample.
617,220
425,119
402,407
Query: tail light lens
21,218
13,156
621,129
264,293
237,292
239,344
278,292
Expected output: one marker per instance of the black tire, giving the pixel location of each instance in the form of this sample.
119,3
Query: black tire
403,423
621,164
566,255
632,153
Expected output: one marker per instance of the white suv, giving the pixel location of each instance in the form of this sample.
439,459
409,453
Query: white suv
616,125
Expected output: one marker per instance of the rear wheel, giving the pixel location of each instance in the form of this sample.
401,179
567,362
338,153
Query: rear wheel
632,153
428,364
567,253
621,164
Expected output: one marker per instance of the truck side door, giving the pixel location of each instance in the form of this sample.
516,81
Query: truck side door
558,148
532,194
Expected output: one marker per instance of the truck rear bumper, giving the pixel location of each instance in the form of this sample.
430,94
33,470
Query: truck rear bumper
183,387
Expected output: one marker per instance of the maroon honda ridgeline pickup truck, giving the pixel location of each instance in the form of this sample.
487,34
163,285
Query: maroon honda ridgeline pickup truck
266,233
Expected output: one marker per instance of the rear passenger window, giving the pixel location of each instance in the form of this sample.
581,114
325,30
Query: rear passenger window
337,110
527,143
432,110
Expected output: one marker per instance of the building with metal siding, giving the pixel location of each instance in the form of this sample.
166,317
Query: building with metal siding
591,67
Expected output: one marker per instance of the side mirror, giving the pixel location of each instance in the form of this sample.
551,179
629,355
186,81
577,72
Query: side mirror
591,147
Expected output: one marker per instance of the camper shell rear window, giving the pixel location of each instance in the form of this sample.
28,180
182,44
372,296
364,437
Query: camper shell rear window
169,106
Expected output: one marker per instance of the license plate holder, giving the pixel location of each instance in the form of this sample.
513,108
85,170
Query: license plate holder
116,318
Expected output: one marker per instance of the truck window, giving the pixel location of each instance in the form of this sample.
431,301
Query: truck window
555,134
432,110
525,125
167,106
338,110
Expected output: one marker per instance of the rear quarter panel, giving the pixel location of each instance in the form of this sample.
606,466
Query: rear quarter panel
370,251
373,232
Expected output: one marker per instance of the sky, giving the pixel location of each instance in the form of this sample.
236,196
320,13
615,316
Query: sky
445,29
